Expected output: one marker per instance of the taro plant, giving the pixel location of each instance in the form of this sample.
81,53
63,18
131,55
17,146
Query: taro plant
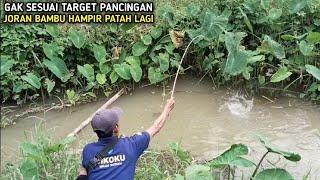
274,173
72,96
232,158
43,159
223,165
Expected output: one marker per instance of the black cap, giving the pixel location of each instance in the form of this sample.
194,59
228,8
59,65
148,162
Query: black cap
105,120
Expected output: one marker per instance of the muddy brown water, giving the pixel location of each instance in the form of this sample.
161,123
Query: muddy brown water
206,122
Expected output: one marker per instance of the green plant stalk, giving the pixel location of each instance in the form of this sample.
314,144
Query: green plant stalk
295,81
258,165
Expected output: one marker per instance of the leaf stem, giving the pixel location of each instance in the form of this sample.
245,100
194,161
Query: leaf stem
295,81
258,165
229,171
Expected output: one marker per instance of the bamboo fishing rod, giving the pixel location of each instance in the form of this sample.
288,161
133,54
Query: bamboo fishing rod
184,54
89,119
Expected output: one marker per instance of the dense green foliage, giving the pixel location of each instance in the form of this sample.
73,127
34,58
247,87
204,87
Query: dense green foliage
266,43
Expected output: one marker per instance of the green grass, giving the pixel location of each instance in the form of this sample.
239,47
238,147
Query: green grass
42,158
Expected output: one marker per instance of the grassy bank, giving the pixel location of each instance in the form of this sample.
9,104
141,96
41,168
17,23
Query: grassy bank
42,158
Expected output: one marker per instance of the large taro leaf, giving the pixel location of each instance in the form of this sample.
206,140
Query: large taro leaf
133,60
255,59
156,32
18,86
139,48
78,38
155,75
232,157
58,67
212,25
135,69
314,71
274,174
29,169
273,47
281,74
192,10
99,53
113,77
237,58
166,13
198,172
50,50
104,68
306,48
297,5
123,70
31,150
136,72
236,62
87,71
271,148
314,87
164,61
53,30
101,78
274,14
6,64
146,39
240,161
32,79
313,37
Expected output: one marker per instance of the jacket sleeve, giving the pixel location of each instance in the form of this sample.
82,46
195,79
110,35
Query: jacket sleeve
82,177
140,142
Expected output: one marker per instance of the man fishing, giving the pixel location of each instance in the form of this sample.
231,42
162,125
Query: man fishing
113,157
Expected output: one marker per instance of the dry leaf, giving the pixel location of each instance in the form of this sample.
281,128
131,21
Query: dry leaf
116,51
177,38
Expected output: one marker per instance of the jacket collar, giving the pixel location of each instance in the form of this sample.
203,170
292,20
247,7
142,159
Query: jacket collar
107,139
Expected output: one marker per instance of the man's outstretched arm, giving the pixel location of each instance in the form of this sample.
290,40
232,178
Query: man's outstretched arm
161,120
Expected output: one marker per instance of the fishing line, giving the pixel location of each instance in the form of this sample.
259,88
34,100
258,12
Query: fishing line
184,54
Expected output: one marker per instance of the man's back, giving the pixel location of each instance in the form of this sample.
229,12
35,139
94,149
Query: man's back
120,163
121,160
